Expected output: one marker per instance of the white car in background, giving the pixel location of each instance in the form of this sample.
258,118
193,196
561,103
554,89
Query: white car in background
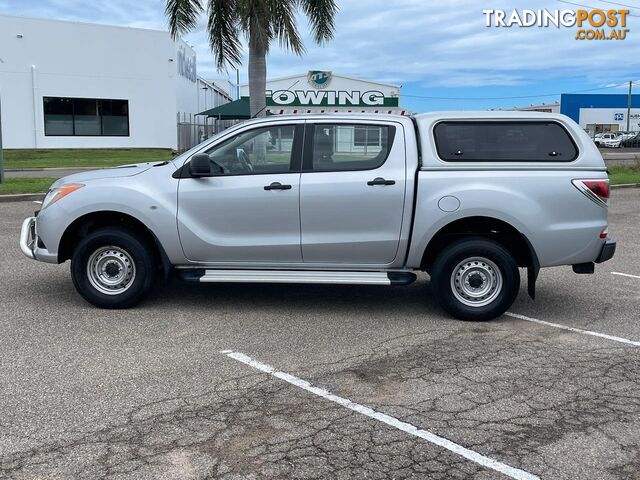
609,139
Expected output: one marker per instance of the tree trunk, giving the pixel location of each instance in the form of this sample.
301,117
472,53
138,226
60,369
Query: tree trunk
257,93
257,78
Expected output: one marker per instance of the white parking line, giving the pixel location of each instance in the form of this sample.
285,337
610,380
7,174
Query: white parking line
384,418
625,275
573,329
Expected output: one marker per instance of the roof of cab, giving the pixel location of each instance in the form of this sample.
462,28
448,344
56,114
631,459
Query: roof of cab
421,117
331,115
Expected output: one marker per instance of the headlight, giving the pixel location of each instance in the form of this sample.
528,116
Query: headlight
59,193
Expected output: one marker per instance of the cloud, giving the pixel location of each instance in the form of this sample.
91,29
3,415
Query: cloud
438,44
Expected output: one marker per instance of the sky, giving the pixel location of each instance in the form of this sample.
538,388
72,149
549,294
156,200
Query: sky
441,53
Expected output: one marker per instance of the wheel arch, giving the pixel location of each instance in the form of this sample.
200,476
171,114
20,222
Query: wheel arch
492,228
90,222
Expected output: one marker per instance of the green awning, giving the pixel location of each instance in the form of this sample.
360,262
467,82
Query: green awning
236,110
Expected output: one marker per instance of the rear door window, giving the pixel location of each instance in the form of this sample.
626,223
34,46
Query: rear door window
504,142
349,147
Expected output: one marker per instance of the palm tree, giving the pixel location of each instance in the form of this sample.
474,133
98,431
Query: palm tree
260,22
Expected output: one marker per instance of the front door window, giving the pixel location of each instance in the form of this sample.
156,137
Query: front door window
259,151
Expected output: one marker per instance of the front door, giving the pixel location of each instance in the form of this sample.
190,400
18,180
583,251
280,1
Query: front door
352,192
249,212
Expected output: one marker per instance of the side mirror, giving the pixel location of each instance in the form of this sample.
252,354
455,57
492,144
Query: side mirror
200,165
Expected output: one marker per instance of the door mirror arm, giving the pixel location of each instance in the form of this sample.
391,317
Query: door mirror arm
199,170
200,166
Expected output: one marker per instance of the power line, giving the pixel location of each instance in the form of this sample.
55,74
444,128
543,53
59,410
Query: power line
620,4
517,96
592,8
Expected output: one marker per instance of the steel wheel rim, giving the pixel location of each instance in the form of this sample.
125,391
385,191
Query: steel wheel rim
111,270
476,281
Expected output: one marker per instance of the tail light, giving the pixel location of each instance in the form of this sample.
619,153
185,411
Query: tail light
596,190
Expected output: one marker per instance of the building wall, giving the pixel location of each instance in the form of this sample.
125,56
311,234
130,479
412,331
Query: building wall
187,83
193,128
338,93
42,57
601,109
545,108
610,119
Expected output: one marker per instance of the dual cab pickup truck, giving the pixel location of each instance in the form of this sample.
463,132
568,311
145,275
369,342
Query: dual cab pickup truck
468,197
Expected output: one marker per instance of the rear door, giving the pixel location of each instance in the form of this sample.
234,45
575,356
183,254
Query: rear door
352,192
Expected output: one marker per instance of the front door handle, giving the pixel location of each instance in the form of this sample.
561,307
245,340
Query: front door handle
381,181
277,186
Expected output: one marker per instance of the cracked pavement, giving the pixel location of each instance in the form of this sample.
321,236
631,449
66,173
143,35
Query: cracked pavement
145,393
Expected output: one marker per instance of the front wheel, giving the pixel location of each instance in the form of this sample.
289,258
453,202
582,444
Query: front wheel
475,279
112,268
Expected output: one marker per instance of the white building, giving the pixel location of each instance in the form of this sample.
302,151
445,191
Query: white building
541,107
78,85
324,92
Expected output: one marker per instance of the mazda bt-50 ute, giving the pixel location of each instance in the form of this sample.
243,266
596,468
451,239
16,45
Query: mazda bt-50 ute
468,197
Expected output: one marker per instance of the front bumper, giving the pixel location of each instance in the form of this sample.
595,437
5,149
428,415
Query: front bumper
607,251
29,243
28,239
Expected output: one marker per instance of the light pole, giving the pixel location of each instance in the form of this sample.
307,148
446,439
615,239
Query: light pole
238,83
629,105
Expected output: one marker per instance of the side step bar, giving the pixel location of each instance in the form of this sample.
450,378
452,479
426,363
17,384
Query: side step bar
297,276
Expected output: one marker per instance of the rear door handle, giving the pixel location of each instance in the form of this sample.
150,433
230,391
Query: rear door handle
277,186
381,181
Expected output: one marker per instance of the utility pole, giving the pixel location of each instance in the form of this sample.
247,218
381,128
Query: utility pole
629,105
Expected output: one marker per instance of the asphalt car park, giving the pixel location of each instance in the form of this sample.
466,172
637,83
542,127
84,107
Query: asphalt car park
292,381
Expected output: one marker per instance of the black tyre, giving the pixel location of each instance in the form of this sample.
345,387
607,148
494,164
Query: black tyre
475,279
113,268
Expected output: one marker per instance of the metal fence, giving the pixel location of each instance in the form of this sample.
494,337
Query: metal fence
194,129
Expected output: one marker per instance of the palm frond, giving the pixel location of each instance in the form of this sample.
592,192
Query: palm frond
182,15
224,32
321,15
283,24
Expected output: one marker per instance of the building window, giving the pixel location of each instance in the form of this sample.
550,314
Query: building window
366,136
86,117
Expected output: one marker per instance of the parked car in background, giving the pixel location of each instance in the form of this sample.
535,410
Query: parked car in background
632,141
467,197
609,140
626,135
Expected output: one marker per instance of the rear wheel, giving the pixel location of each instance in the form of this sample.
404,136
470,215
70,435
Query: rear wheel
112,268
475,279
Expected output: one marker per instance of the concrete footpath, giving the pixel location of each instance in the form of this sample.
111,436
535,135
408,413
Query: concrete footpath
621,157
